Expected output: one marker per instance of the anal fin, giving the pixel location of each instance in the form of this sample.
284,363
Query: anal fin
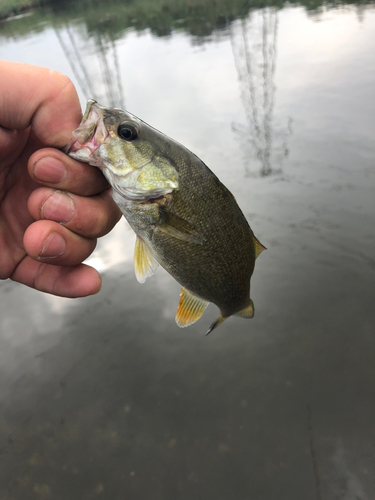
145,263
190,308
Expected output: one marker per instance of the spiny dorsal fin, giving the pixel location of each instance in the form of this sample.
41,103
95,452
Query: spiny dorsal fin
190,308
144,262
247,312
216,323
258,246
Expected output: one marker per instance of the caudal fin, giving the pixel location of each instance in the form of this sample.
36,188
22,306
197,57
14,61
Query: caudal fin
216,323
247,312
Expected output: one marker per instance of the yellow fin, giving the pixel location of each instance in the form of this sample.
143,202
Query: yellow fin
144,262
216,323
190,308
258,246
247,312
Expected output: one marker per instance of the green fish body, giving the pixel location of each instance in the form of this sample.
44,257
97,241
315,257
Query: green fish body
185,219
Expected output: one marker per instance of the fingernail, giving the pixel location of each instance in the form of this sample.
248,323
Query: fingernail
53,247
49,170
58,207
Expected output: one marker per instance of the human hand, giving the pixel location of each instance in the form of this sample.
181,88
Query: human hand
46,232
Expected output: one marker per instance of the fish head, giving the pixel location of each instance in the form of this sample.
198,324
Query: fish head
129,152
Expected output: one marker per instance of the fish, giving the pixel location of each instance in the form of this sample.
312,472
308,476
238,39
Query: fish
185,219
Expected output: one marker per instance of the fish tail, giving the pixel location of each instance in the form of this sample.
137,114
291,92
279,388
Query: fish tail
216,323
246,312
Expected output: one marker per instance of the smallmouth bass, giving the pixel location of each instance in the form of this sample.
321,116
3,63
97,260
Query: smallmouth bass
185,219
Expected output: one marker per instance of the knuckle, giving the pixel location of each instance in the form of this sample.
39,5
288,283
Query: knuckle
94,216
61,81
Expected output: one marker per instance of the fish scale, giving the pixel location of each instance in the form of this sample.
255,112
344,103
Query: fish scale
185,219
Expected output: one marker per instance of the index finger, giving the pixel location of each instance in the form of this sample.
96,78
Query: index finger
40,97
55,169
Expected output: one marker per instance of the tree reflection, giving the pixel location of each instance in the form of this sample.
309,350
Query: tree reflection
97,69
254,46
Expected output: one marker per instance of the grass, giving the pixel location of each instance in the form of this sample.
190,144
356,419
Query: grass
12,7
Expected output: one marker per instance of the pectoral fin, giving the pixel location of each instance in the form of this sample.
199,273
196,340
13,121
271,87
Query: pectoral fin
190,308
258,246
144,262
180,228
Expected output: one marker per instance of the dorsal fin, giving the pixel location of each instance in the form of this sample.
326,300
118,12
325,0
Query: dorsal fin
258,246
190,308
144,262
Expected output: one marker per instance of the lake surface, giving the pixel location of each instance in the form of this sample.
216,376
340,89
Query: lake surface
105,397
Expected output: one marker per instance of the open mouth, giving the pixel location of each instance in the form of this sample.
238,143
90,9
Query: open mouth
90,134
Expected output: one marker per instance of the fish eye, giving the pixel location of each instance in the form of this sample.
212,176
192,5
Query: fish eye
127,132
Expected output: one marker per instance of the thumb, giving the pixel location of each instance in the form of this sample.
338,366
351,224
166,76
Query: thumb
40,97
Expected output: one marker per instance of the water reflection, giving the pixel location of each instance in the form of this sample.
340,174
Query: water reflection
92,391
99,64
254,45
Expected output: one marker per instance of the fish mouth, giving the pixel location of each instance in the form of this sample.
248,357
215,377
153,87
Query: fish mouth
90,134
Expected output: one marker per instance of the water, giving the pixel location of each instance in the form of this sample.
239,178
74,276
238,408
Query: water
104,396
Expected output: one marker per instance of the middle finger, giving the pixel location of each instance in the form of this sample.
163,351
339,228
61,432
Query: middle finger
90,217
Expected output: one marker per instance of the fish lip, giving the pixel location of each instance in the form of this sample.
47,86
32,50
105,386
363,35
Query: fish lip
83,138
89,105
79,152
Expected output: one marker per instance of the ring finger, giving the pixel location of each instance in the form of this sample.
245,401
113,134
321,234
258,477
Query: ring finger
50,242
